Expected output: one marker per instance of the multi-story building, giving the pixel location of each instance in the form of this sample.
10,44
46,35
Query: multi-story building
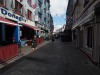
68,32
22,13
86,27
42,14
32,14
51,24
17,22
69,20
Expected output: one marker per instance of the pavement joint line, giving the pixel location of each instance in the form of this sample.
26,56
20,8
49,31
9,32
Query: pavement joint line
22,54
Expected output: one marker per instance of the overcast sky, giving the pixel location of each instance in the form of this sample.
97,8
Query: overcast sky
58,10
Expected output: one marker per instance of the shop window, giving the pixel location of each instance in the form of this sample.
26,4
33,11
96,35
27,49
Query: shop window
9,34
18,8
0,33
29,15
90,37
86,2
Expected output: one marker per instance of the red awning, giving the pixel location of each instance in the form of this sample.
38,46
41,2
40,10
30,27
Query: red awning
4,20
30,26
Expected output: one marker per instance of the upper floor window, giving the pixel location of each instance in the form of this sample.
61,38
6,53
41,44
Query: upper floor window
86,2
29,15
45,10
21,0
40,3
29,2
45,20
44,1
40,15
18,8
2,2
48,22
90,37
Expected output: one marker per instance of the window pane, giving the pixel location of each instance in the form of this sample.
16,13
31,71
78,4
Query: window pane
1,2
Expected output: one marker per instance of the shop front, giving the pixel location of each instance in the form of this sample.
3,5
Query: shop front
8,46
27,34
9,34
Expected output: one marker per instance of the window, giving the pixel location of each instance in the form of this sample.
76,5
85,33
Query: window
39,14
29,15
40,4
86,2
90,37
44,1
2,2
21,10
21,0
44,10
29,2
0,33
45,20
18,8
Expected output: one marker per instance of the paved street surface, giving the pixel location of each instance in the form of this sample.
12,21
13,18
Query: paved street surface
53,59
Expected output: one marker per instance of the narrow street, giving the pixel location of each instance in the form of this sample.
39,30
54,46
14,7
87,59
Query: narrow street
53,59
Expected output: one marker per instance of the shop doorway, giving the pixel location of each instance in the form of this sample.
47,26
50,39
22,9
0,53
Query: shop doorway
27,33
10,34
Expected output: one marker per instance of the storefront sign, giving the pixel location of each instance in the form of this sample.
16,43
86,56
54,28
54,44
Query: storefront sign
11,15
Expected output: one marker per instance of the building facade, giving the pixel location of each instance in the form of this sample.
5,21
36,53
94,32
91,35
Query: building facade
69,20
51,24
18,24
86,27
42,14
32,15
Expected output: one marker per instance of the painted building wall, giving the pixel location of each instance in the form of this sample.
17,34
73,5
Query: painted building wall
10,5
45,14
84,18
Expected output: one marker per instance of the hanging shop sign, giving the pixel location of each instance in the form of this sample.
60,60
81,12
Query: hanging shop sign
10,15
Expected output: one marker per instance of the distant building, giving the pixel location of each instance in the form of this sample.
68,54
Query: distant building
32,15
51,24
69,20
42,14
18,23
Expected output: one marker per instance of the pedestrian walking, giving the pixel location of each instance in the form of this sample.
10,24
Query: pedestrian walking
53,38
34,43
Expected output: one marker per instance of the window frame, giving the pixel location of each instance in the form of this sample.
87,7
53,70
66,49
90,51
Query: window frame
90,37
29,2
19,7
4,3
29,14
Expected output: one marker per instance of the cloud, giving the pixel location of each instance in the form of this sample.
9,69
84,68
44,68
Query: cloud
58,7
57,27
